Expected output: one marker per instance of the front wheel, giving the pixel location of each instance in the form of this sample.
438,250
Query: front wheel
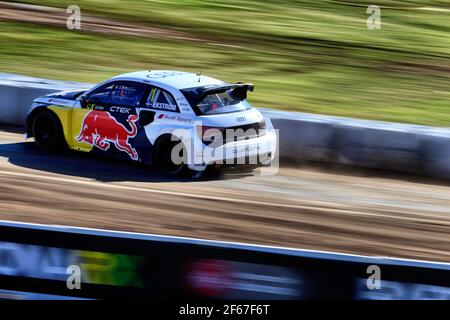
47,131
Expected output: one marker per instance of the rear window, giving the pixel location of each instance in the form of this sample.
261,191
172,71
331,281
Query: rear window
222,102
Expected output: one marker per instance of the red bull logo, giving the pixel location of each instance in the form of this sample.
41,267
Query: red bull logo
100,129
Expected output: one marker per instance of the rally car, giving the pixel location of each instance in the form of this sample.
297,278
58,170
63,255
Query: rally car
177,121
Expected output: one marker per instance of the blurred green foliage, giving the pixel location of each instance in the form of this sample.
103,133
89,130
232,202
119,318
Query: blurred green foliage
310,56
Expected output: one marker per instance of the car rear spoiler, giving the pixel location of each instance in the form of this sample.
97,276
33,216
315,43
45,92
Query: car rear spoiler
239,92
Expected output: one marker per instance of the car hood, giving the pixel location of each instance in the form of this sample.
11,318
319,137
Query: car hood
66,95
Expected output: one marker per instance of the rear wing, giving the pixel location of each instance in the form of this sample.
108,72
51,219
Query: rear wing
239,92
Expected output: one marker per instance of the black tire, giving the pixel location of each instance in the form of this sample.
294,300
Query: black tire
47,131
162,156
249,168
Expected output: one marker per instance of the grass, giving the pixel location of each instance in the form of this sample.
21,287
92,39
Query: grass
309,56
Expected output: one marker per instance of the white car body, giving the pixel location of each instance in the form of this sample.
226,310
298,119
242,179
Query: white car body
184,119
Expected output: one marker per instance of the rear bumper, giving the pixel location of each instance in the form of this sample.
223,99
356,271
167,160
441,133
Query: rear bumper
255,152
263,159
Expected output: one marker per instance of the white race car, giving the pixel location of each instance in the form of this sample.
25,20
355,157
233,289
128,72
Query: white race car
178,121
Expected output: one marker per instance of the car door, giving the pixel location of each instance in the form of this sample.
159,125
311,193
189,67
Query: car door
110,123
82,133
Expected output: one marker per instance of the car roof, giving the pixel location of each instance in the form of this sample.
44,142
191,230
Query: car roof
176,79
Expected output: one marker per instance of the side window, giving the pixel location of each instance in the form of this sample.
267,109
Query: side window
126,94
161,100
99,95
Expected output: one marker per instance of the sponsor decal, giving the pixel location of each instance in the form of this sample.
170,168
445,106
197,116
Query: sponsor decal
239,280
100,129
58,101
395,290
120,110
32,261
174,118
164,74
163,106
245,149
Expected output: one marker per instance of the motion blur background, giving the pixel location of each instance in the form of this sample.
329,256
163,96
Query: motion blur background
312,56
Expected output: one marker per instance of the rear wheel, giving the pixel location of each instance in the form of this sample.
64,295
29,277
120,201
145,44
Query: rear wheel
47,131
169,157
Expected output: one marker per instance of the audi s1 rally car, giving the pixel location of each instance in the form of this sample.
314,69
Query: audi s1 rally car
178,121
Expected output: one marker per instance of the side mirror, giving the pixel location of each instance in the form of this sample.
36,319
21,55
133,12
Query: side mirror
83,101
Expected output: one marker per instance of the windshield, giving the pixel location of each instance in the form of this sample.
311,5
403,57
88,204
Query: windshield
222,102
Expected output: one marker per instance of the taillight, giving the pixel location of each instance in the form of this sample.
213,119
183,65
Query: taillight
210,134
263,124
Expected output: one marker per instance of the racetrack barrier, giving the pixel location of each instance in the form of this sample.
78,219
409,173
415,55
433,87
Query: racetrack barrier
370,144
41,261
303,137
18,92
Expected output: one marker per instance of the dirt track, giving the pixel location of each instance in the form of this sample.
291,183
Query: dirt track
297,208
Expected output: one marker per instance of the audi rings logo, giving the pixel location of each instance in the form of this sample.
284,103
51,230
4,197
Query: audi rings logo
241,119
